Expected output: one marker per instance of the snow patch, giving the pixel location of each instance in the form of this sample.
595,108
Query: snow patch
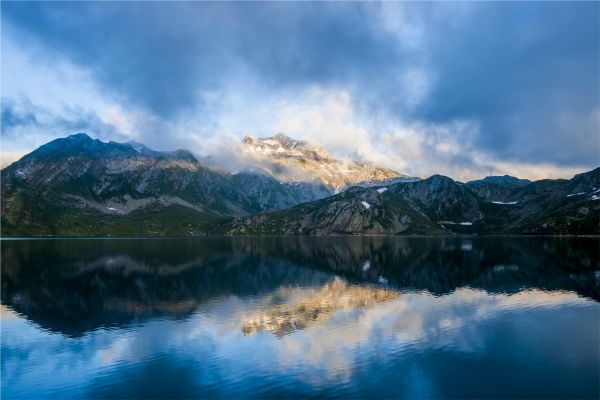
366,266
367,205
111,209
272,142
594,197
383,189
455,223
382,280
505,202
575,194
506,268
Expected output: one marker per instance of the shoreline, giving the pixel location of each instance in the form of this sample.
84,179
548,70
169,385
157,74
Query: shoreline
10,238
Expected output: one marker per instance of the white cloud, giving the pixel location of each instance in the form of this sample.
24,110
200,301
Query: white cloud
61,97
65,99
334,120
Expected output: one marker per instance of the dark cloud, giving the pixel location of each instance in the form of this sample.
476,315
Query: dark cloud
523,70
11,117
19,117
527,73
165,56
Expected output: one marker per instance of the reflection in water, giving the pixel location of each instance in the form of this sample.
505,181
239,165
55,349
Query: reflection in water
481,317
316,309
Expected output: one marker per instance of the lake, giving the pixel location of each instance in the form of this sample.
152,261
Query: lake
361,317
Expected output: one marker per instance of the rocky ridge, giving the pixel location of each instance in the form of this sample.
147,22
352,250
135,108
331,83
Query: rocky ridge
440,205
293,160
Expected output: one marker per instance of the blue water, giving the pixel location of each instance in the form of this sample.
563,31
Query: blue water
176,318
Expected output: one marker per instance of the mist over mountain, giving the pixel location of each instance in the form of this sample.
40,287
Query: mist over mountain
288,159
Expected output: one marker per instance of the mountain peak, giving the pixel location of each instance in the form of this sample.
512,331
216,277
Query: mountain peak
247,139
183,154
501,180
285,140
79,136
438,179
281,136
289,159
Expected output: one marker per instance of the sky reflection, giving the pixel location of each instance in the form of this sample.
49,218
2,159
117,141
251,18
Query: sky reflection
515,317
467,322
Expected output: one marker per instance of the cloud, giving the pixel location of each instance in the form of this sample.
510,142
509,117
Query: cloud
518,80
334,121
25,125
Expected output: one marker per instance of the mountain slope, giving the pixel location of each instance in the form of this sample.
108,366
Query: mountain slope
440,205
497,188
71,184
552,206
403,208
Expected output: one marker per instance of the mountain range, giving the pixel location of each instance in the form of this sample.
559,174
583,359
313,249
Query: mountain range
79,186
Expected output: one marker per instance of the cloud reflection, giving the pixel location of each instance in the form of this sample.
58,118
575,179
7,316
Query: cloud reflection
333,350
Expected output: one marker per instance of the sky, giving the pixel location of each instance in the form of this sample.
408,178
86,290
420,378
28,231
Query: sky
462,89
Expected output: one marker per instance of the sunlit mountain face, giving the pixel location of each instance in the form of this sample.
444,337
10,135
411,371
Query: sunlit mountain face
301,316
289,159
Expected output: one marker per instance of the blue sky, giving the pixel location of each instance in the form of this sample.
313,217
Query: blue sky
461,89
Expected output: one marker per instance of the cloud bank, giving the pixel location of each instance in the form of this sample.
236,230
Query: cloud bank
461,89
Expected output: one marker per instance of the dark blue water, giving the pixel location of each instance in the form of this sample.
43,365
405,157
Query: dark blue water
301,317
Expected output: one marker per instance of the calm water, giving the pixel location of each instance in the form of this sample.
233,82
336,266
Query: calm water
301,317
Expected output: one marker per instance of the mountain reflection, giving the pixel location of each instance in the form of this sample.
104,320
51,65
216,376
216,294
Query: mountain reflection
75,286
316,309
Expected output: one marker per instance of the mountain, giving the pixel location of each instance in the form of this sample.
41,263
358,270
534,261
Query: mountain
441,205
551,206
289,159
401,208
77,185
504,180
497,188
267,193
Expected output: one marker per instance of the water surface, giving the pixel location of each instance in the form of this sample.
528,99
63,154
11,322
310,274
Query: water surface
301,317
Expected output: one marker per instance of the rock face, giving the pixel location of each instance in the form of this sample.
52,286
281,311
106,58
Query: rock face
441,205
293,160
266,193
497,188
